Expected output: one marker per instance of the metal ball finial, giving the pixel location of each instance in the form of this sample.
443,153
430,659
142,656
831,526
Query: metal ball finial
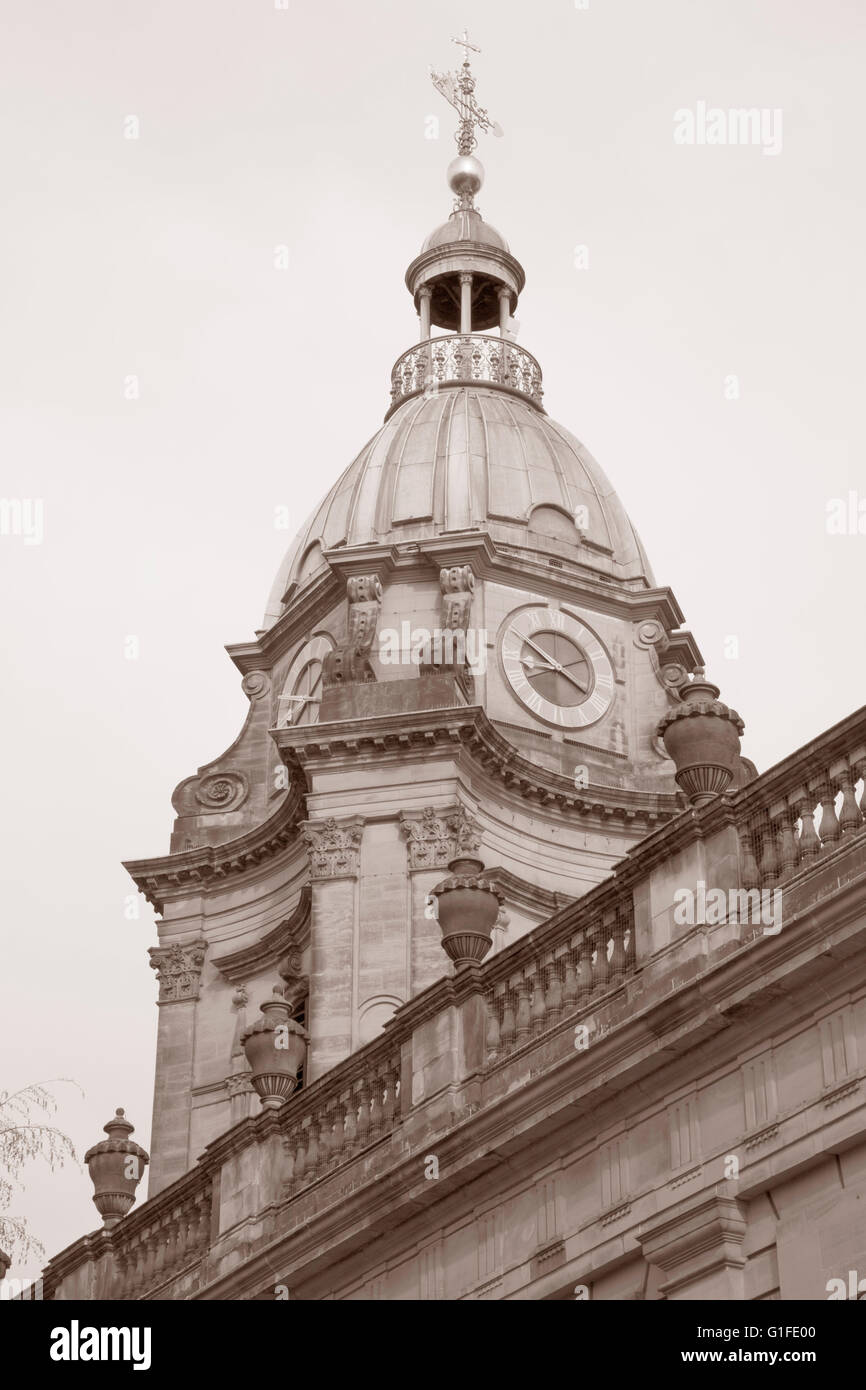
465,175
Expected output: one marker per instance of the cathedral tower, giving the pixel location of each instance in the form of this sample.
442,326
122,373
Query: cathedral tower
465,650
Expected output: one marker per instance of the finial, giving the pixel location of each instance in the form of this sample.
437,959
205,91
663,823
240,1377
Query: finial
465,173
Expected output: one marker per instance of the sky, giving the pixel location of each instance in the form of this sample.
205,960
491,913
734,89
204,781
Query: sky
207,212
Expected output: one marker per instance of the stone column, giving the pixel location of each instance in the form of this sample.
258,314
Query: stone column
178,966
334,848
465,302
504,310
698,1244
424,296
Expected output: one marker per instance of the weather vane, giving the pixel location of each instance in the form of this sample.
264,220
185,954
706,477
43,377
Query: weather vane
458,88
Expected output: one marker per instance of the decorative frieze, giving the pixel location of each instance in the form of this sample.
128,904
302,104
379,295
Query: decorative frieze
434,838
178,968
334,847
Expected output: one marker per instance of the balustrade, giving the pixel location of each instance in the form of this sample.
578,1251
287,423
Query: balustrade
325,1132
562,979
800,823
473,357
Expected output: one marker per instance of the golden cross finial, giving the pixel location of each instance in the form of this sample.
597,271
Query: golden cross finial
463,42
458,88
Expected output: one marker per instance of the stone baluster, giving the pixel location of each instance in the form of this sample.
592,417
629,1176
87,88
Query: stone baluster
326,1139
769,867
508,1031
397,1107
160,1236
584,965
121,1270
809,846
150,1241
375,1107
363,1114
312,1150
850,819
553,994
339,1132
600,964
570,983
133,1266
524,1017
493,1037
628,937
350,1120
787,845
537,1012
749,875
300,1166
386,1086
617,955
829,830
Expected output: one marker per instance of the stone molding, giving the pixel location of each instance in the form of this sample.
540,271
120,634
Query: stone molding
695,1239
178,968
288,938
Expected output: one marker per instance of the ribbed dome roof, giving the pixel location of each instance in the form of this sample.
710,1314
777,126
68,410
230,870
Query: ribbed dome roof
470,458
466,224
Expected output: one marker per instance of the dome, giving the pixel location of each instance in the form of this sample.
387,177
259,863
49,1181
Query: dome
466,224
472,458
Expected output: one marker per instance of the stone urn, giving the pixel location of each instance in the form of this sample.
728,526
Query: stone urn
116,1166
275,1047
703,737
468,905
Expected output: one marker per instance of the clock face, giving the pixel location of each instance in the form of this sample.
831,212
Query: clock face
556,667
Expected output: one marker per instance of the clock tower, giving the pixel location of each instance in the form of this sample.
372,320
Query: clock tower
465,653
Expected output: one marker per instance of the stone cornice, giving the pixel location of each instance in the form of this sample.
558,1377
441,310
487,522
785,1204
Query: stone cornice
196,869
289,935
566,579
468,728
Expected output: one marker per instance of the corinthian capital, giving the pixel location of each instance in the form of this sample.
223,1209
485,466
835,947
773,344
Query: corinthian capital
178,969
334,846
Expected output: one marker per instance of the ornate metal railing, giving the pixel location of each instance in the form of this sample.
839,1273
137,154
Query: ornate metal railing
464,358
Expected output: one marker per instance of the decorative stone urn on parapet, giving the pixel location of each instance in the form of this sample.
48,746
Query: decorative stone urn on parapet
275,1046
116,1167
702,737
468,906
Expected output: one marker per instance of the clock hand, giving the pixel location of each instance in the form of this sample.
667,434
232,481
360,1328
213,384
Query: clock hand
541,652
582,688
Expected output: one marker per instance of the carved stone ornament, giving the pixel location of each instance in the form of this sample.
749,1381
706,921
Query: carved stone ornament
334,846
255,684
458,589
222,791
434,838
178,969
239,1084
349,663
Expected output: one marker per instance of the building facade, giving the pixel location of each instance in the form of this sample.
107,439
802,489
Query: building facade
561,998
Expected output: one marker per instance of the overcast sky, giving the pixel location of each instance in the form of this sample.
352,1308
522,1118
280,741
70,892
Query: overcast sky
706,345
